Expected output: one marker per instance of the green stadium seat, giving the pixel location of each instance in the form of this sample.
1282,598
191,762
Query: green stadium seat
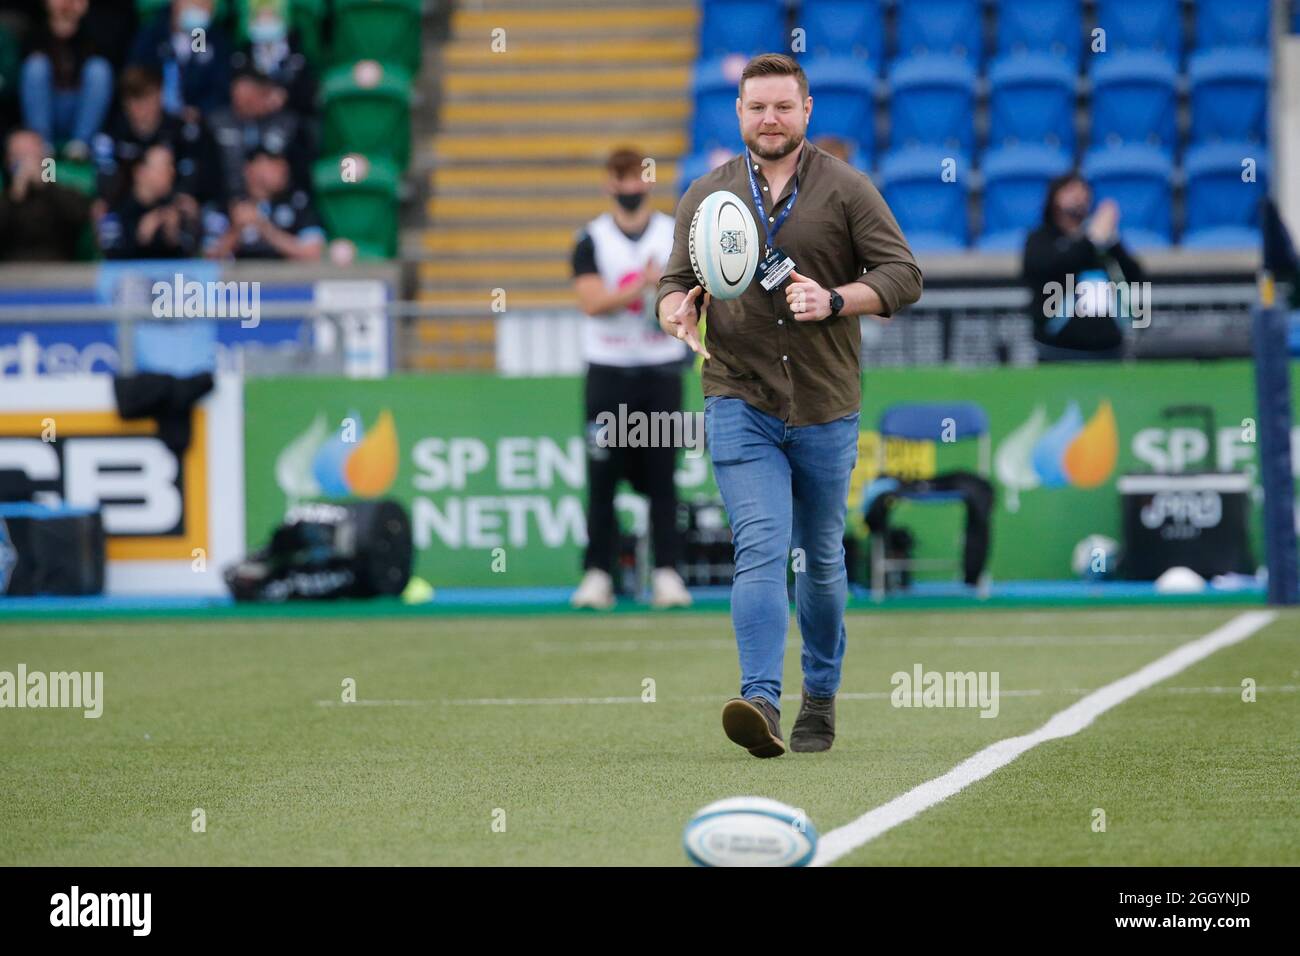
384,30
10,64
367,110
83,177
308,18
77,175
359,202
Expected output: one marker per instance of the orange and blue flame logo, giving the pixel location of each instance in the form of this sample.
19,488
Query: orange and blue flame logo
346,462
1068,452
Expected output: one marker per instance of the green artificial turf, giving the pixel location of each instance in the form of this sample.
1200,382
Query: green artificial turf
243,718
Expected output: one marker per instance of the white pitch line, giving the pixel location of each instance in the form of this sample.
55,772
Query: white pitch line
1066,723
718,699
675,645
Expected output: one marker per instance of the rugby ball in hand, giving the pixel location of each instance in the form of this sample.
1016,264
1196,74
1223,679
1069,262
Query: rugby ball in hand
750,831
724,245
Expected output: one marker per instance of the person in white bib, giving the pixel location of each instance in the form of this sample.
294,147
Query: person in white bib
617,260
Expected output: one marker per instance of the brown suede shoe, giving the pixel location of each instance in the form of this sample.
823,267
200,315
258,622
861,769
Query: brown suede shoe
754,724
814,728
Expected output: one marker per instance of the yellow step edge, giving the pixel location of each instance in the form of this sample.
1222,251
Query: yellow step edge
525,177
474,207
563,298
432,331
571,20
495,271
575,111
559,241
454,363
671,79
516,145
569,52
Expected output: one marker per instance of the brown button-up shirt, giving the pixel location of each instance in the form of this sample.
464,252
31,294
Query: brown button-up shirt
839,231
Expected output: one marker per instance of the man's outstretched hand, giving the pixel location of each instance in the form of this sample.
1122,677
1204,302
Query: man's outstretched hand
683,324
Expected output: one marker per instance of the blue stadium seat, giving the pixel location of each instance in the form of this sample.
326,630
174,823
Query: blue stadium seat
1015,188
1134,100
844,100
690,168
932,102
844,27
742,26
1138,178
1222,209
1232,23
941,26
1142,25
1040,26
715,122
1229,95
1031,100
931,212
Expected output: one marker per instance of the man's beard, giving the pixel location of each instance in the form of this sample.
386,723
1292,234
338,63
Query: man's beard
785,149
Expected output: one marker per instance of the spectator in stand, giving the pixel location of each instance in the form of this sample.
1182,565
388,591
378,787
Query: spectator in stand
1077,249
276,51
271,219
837,146
66,85
39,219
191,53
143,123
257,116
150,219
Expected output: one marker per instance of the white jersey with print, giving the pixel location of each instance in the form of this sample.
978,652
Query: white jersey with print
631,335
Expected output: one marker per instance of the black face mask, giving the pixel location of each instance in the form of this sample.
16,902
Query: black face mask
1078,213
631,202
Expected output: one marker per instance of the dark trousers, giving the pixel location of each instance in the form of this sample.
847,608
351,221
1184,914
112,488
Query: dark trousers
647,389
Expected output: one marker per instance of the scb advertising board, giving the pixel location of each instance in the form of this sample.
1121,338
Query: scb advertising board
171,523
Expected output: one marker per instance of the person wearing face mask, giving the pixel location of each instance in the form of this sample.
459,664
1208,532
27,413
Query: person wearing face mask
193,55
1076,247
630,361
276,51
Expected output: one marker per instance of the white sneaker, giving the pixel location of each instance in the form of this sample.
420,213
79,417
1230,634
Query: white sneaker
596,590
669,589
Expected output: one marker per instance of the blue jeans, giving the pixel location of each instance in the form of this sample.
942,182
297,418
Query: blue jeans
65,114
784,487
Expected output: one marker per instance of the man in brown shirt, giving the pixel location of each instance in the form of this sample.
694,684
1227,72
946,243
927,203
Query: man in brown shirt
782,386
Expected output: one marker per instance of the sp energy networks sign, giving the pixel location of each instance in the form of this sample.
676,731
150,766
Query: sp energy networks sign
484,463
171,524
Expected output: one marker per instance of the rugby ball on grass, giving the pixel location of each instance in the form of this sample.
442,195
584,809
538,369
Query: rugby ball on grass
750,831
724,245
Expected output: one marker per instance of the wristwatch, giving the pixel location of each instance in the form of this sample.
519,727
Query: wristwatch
837,303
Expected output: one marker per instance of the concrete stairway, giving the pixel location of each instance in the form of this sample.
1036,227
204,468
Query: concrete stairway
516,162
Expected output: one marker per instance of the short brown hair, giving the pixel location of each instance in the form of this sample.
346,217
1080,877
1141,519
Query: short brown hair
624,161
138,81
774,64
